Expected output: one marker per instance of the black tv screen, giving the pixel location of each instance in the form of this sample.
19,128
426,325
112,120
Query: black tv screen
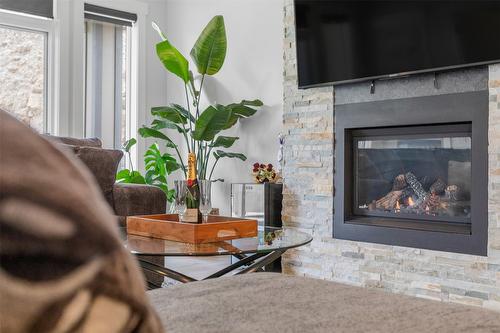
345,41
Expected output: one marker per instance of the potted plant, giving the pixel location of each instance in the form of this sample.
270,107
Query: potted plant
200,127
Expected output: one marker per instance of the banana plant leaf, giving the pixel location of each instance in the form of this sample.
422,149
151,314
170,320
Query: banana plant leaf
255,102
169,113
158,30
147,132
184,112
173,60
209,51
224,141
162,124
220,154
210,122
241,110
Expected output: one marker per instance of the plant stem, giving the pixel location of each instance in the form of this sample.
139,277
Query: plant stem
130,161
200,154
180,159
213,167
185,137
207,157
199,97
190,126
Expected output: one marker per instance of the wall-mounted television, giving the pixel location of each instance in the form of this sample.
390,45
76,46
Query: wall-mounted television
347,41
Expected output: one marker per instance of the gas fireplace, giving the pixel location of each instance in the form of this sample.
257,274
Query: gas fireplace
413,172
416,173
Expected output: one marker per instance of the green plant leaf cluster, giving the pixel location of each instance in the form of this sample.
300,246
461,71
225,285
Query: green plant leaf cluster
158,166
200,128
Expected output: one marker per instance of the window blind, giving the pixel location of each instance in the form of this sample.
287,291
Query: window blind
114,16
44,8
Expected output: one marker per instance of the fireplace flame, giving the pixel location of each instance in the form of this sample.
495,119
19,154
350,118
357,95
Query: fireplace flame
398,206
410,202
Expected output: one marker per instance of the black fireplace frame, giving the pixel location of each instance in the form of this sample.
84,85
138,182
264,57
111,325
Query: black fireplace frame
455,109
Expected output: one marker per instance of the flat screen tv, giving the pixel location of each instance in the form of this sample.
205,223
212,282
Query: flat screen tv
346,41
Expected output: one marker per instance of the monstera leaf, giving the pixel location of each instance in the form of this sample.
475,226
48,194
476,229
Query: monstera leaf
127,145
130,177
210,122
209,51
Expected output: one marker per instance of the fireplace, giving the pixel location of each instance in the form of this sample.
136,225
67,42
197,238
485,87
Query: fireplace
413,172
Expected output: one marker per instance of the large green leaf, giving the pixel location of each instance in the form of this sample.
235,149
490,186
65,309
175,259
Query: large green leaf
219,154
241,110
170,113
183,112
224,141
127,145
162,124
173,60
158,30
255,102
130,177
209,51
147,132
210,122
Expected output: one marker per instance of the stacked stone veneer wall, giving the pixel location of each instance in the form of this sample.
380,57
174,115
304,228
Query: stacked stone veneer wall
22,75
309,118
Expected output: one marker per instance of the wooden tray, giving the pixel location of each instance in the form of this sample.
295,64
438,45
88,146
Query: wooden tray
167,226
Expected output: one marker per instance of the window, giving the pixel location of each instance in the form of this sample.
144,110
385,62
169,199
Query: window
107,71
26,70
23,68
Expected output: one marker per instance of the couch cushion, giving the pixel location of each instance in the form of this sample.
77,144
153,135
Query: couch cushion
103,164
87,142
266,302
63,265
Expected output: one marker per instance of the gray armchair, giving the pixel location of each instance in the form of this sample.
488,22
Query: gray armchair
124,199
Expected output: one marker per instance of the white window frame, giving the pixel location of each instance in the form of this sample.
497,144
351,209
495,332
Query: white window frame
49,27
137,65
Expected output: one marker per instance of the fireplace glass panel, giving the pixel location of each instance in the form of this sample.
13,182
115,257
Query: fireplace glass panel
419,176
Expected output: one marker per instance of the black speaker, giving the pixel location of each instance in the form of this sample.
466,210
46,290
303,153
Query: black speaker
273,201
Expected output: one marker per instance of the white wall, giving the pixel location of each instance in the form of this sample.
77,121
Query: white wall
252,69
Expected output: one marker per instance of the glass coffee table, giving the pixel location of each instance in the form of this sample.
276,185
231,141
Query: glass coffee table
252,253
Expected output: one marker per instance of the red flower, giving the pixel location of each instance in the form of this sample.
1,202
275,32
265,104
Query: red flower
262,166
255,169
256,165
269,166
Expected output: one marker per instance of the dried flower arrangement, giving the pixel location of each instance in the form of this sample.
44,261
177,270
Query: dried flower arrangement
263,173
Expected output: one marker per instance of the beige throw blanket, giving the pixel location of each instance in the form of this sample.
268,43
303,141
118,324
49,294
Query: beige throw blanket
63,267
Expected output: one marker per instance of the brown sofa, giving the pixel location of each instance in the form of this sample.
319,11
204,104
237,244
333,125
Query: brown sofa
124,199
65,269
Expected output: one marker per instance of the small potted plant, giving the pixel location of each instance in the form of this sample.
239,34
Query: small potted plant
263,173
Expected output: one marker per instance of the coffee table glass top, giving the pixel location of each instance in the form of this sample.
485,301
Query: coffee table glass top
268,240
